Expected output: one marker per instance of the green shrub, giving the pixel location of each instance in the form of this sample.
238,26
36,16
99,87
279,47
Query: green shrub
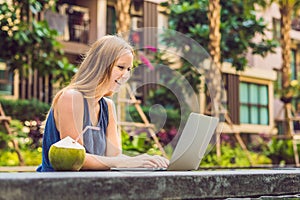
173,115
30,153
32,157
23,110
233,156
280,151
138,144
30,113
9,157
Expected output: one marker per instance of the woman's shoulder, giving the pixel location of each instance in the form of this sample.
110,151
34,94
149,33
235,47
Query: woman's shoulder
70,95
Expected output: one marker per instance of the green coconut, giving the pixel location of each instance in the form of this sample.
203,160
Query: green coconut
67,155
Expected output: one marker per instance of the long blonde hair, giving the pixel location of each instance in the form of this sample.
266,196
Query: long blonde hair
96,66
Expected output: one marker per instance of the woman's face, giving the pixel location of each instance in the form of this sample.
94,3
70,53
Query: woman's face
121,71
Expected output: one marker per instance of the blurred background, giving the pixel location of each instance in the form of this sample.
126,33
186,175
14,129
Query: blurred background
254,61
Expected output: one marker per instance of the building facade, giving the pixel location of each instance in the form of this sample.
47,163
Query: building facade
251,103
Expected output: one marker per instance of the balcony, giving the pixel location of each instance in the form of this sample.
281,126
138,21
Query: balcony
295,32
72,22
296,24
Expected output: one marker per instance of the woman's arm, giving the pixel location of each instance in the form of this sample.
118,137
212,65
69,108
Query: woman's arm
68,118
113,137
68,114
114,156
94,162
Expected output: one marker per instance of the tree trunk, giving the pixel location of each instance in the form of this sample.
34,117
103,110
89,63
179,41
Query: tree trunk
214,75
214,28
286,14
123,17
123,28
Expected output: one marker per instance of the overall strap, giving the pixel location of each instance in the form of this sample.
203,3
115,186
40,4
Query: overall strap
86,116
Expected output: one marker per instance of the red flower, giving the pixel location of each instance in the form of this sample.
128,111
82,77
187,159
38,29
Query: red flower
146,62
151,48
136,37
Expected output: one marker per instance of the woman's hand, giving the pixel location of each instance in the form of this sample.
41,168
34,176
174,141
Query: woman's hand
94,162
143,161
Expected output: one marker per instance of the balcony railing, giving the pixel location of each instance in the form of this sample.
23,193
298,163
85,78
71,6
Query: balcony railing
296,24
71,21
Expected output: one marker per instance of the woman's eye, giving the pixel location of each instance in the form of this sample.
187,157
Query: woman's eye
129,69
121,67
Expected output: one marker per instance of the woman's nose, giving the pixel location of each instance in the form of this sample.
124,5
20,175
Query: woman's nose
126,75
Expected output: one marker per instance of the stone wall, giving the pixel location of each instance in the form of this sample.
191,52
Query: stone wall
149,185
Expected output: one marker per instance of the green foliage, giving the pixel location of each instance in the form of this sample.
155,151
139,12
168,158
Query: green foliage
280,151
138,144
291,91
4,138
31,44
239,25
8,157
232,156
32,157
23,110
164,96
173,115
276,151
17,132
27,137
64,72
267,151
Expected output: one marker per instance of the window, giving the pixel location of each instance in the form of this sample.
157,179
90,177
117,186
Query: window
136,12
78,22
276,29
293,65
296,23
6,80
254,108
294,75
111,20
72,22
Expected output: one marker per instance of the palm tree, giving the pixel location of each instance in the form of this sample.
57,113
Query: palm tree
287,7
123,16
214,16
123,27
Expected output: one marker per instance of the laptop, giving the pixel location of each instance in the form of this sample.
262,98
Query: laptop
191,145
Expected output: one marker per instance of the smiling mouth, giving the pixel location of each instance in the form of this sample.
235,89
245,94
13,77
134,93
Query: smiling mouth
117,82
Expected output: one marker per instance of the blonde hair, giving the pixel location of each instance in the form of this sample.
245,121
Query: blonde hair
96,66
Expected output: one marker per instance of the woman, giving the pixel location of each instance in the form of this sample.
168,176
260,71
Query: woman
83,103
